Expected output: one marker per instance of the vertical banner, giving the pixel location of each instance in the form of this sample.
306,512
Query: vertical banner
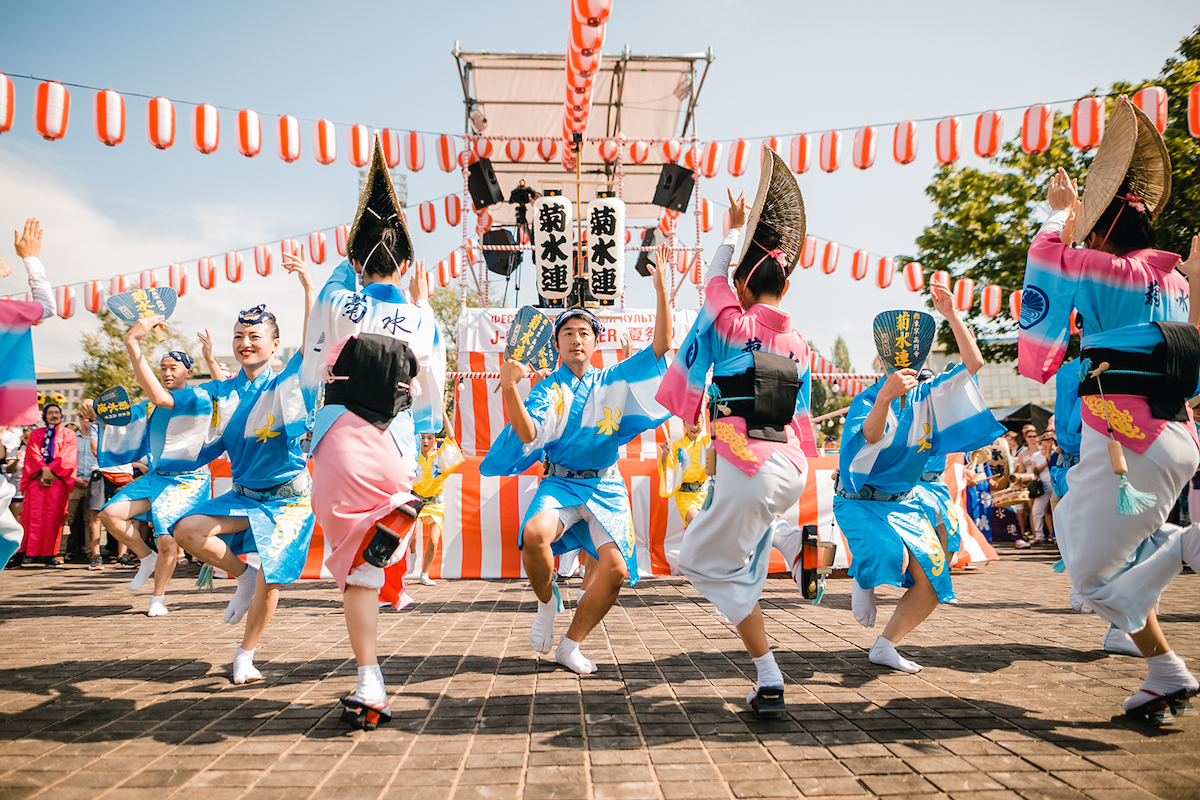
606,247
552,245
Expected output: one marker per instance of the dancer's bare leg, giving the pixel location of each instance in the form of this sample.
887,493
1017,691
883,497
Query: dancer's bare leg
917,603
536,554
168,555
608,572
118,519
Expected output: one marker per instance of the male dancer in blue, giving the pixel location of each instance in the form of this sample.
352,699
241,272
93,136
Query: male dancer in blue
577,418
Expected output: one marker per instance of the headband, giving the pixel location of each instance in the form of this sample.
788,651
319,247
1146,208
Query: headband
255,315
597,328
181,357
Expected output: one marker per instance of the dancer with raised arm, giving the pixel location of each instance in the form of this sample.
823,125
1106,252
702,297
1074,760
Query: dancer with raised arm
681,470
435,464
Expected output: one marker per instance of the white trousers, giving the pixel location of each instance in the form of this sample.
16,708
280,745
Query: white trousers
726,551
1121,564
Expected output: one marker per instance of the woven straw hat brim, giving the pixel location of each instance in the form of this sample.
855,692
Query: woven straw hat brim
379,185
1132,147
779,204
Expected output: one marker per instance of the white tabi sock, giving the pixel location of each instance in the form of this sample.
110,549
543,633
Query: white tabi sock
569,656
1167,673
1078,603
371,690
145,570
243,667
862,603
158,606
426,580
884,653
769,675
541,635
240,602
1118,641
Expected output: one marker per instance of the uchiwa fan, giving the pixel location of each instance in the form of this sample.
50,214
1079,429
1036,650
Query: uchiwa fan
903,340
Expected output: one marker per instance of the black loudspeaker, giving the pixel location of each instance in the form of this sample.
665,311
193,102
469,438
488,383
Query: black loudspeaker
502,262
646,257
674,190
481,180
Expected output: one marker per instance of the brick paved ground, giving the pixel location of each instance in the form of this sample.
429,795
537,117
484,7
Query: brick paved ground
1016,699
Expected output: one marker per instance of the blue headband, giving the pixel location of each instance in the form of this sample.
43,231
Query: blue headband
578,312
181,357
255,315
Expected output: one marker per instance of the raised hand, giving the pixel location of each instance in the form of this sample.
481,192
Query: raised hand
29,243
143,326
943,299
512,371
418,286
898,384
737,210
298,265
1191,267
1062,192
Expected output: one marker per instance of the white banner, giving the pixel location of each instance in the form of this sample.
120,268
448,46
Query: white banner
484,330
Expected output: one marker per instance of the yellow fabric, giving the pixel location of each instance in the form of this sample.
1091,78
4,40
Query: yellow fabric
670,468
434,513
436,468
686,501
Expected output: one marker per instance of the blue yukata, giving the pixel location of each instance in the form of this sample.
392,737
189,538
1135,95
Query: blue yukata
946,414
581,423
934,495
261,423
177,444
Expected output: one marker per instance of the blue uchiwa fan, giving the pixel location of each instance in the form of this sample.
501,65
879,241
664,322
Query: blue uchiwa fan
133,305
113,407
531,339
903,340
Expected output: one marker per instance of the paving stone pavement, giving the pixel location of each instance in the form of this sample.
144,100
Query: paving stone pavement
1016,699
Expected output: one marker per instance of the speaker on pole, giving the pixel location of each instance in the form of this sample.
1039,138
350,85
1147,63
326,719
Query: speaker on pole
482,183
674,190
502,262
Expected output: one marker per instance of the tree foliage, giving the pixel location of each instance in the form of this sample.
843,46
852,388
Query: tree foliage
106,362
985,220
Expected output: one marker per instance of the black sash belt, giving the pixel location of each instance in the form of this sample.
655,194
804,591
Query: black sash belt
764,395
1166,376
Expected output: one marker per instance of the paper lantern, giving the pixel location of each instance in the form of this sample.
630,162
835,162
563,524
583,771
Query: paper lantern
446,153
605,227
483,221
569,161
609,150
262,259
233,266
482,147
771,142
590,12
989,133
667,223
991,299
1038,129
710,159
160,122
117,285
940,276
467,157
453,207
147,279
691,159
671,150
829,257
316,247
249,133
831,151
443,273
1193,112
583,62
1153,102
555,275
206,270
948,134
110,117
697,270
340,234
864,147
324,141
904,142
455,262
206,128
428,218
739,157
639,151
1014,305
964,294
515,150
8,98
808,253
359,149
914,277
707,212
64,298
177,278
885,268
860,265
94,297
289,247
289,138
586,37
52,110
1087,123
801,154
547,149
414,150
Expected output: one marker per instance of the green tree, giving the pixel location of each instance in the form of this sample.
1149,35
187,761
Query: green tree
447,307
824,399
106,363
985,220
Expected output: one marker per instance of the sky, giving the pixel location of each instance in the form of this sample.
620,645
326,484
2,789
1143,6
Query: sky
780,68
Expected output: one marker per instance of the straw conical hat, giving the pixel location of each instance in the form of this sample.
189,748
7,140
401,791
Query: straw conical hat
1131,148
779,205
378,200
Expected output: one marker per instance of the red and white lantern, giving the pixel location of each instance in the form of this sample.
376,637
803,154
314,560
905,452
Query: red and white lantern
324,142
1038,129
808,253
707,212
455,262
941,277
1014,305
147,279
466,158
110,117
483,221
316,247
547,149
1193,112
609,150
359,145
964,294
206,128
446,153
177,278
590,12
249,133
801,154
949,133
289,247
94,297
414,151
160,122
586,37
64,298
1153,102
671,150
667,223
989,133
52,110
1087,123
697,270
340,234
453,207
914,277
117,285
515,150
739,158
831,150
206,270
233,266
861,265
991,299
289,138
771,142
904,142
262,259
864,147
443,273
389,143
691,158
885,268
829,257
8,99
710,159
428,217
482,147
639,151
